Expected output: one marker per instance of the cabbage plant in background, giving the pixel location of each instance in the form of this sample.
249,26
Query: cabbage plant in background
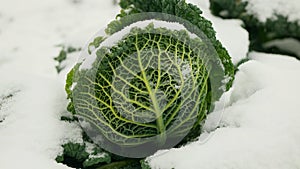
145,83
278,33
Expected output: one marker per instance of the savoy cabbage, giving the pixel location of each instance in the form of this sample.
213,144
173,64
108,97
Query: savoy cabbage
153,87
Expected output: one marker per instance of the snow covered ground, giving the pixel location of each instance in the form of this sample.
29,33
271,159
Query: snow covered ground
259,127
31,132
266,9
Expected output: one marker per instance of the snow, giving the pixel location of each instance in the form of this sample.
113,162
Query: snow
232,36
267,8
288,44
111,40
259,127
31,131
100,155
185,69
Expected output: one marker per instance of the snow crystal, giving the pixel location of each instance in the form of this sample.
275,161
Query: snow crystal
99,155
89,147
176,86
73,85
186,71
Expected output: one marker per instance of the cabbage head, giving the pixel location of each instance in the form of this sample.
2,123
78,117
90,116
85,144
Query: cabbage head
139,89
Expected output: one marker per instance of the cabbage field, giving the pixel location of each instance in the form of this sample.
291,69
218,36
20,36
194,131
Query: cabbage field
149,84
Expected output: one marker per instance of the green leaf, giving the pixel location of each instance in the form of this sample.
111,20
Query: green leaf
96,43
70,80
125,164
75,151
73,155
62,56
145,164
78,156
